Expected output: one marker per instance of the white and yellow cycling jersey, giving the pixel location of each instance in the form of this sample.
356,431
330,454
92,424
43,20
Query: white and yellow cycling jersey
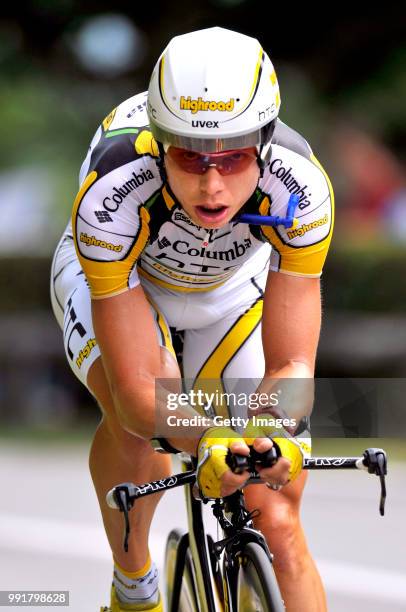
126,222
127,228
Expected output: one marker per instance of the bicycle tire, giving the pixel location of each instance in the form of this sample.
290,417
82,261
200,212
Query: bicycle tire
188,600
257,587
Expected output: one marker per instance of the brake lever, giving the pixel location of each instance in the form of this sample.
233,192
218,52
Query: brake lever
124,503
383,495
376,461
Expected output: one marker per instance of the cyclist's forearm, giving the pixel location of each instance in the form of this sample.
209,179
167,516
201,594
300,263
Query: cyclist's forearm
293,368
143,412
290,389
189,444
136,411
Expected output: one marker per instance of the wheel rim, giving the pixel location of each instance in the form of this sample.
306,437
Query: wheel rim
187,599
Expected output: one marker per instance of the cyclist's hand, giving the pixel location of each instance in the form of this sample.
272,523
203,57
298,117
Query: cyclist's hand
214,477
293,451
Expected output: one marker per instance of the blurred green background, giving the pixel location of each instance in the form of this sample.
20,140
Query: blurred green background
65,64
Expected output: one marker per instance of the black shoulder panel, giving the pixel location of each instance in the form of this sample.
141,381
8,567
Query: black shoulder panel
111,153
159,214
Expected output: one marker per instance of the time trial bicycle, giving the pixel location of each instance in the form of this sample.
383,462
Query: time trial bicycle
235,573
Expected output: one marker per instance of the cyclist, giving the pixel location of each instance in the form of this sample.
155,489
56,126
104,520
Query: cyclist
155,247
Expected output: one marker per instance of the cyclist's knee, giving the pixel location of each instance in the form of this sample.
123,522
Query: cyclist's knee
99,387
279,521
110,428
288,497
113,433
284,534
117,454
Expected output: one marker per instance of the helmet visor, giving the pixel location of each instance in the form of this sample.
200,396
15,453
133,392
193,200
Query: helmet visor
212,145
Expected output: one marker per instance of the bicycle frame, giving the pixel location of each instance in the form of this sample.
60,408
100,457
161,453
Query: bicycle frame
197,542
238,531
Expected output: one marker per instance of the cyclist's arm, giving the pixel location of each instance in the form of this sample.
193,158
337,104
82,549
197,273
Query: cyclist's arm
126,334
292,303
290,334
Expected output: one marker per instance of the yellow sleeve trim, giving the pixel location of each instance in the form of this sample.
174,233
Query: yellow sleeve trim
103,297
302,274
109,278
306,260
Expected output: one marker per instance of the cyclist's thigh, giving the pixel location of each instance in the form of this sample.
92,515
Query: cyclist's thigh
227,355
71,303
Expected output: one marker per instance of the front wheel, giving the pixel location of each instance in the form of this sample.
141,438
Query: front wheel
257,587
176,551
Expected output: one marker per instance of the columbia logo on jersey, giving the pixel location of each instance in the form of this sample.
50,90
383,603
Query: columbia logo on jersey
113,201
102,216
236,251
163,242
291,183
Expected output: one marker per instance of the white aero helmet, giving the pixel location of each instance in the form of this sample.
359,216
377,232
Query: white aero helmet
213,90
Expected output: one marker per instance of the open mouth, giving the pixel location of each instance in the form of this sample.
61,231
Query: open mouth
211,213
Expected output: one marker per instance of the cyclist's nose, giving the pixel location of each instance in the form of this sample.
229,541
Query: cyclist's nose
211,182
